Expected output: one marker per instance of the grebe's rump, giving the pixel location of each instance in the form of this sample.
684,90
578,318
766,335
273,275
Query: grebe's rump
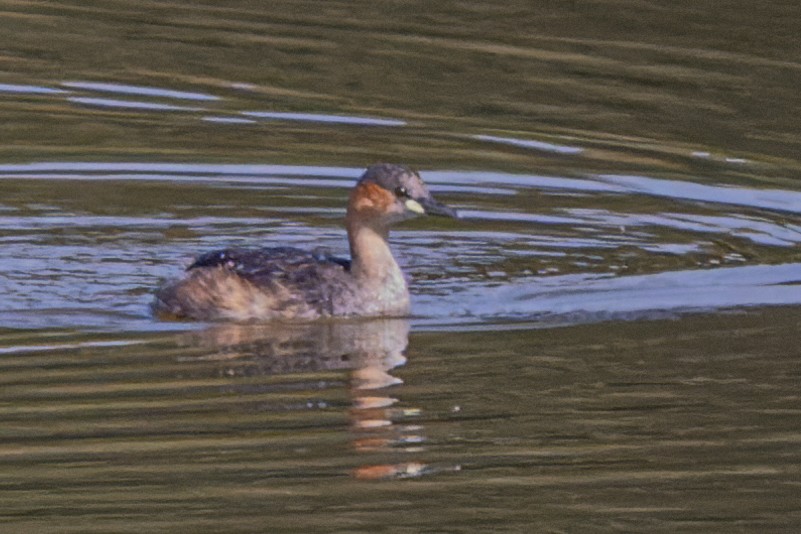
288,283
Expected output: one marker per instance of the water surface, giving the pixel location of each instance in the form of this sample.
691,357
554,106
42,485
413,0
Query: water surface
606,341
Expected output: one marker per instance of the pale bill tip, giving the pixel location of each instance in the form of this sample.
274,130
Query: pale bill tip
413,205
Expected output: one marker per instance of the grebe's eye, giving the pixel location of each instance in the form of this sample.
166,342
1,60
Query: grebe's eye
401,192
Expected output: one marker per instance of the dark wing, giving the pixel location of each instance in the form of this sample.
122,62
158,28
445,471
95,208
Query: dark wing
323,256
289,267
254,260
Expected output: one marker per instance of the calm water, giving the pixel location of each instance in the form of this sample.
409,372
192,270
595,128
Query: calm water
607,341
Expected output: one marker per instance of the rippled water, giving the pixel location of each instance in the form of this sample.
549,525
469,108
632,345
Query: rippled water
605,341
587,252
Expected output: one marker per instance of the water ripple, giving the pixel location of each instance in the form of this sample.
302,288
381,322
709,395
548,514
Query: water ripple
769,199
139,90
29,89
321,117
527,143
129,104
573,299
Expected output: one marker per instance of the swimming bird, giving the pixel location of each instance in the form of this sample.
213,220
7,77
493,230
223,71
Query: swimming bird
283,283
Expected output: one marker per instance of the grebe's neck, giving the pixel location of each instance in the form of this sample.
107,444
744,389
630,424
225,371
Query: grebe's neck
371,257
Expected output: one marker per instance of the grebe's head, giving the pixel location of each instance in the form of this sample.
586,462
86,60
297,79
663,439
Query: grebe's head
386,194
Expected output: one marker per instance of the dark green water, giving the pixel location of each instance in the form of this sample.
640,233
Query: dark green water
607,341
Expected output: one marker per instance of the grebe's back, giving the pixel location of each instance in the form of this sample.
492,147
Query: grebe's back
270,283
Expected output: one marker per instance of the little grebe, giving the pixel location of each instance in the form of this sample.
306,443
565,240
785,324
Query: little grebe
287,283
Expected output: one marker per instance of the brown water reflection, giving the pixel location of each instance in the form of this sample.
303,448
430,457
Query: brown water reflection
367,350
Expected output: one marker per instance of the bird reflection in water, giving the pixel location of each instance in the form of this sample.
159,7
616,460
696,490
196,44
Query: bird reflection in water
367,349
